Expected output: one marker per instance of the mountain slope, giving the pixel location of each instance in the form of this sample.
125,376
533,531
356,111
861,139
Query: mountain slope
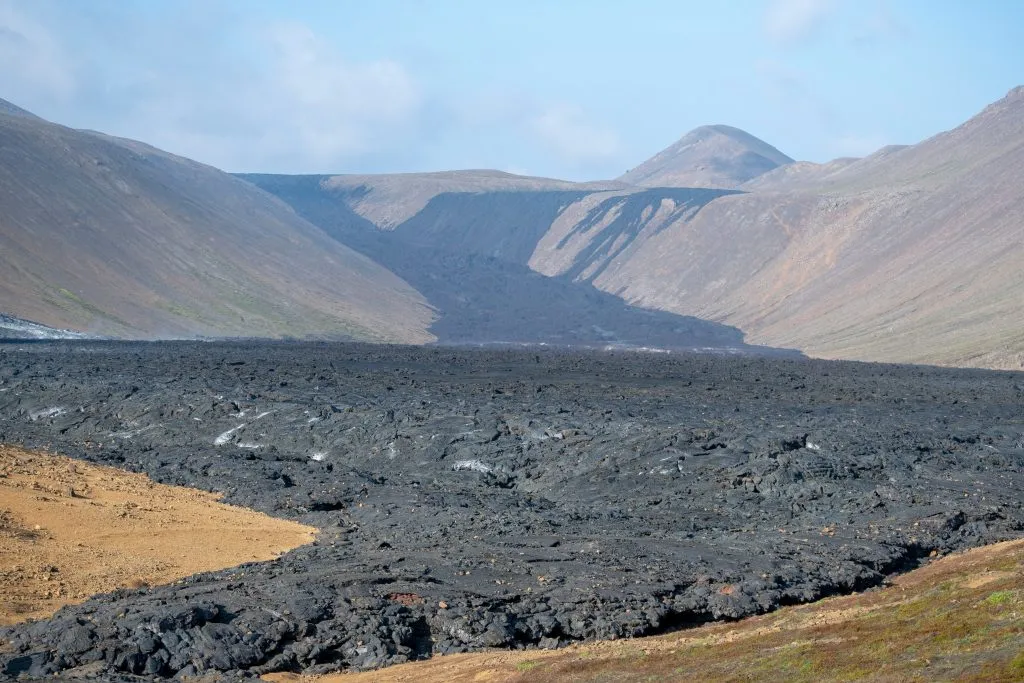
912,254
467,252
114,237
709,156
13,110
388,200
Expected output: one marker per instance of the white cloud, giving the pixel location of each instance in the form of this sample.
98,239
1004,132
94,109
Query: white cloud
790,21
565,130
211,82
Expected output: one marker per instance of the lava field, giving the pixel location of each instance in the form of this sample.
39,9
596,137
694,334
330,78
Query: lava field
507,498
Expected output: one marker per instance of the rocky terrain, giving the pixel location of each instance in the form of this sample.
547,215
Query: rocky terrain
517,499
955,619
16,328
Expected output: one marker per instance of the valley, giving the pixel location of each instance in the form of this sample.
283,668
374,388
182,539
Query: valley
909,255
460,341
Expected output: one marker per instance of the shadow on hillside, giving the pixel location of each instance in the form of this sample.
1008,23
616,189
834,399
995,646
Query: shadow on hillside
467,255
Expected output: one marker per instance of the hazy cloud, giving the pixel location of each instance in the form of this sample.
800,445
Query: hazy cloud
878,25
790,21
329,107
565,130
511,129
31,57
792,89
856,145
305,110
247,97
302,108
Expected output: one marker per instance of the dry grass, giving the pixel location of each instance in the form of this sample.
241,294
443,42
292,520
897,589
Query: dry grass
960,618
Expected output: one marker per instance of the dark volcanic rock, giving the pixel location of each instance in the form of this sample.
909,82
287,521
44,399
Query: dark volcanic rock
472,499
467,253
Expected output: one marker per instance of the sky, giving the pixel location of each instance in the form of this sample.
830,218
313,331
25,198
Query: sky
575,89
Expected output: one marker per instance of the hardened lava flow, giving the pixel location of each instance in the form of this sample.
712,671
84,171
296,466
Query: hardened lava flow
506,498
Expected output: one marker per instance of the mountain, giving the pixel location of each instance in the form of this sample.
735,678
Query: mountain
113,237
468,253
388,200
913,254
709,156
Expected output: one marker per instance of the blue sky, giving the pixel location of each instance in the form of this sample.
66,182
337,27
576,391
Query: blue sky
563,88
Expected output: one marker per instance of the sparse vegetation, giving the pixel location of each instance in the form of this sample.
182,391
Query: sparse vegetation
999,598
959,618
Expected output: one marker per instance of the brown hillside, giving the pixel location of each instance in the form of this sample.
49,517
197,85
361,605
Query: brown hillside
910,255
114,237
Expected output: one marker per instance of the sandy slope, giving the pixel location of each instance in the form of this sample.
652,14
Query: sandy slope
69,529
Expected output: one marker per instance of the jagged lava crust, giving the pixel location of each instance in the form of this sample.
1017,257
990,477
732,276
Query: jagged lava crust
507,498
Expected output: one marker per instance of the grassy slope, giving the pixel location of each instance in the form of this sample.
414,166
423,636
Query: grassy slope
959,618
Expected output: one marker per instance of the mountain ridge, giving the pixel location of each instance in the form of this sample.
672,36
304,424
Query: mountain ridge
709,156
11,109
910,255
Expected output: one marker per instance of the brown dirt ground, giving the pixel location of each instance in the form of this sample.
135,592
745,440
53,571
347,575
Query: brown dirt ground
959,618
69,529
